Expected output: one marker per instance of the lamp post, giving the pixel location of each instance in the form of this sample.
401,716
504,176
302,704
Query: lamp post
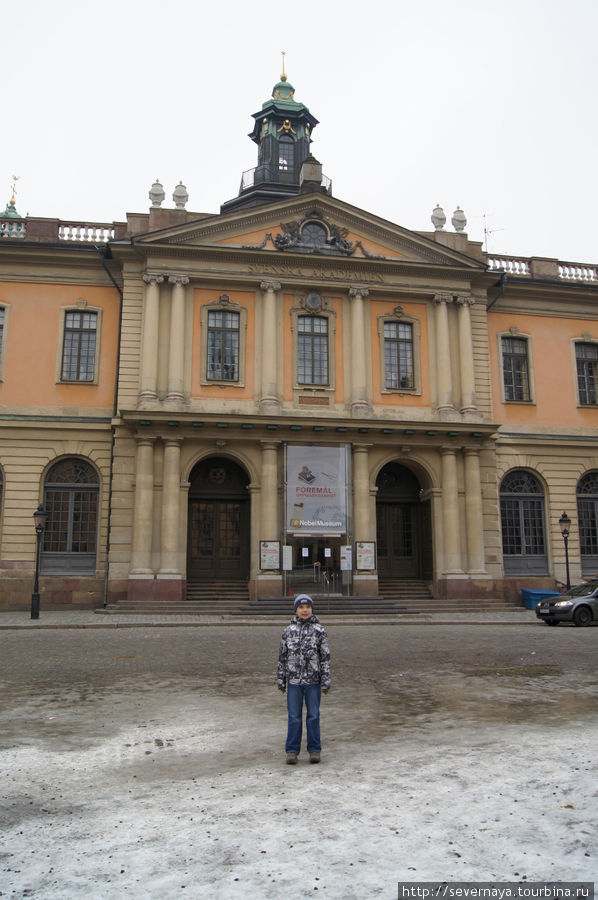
565,523
40,517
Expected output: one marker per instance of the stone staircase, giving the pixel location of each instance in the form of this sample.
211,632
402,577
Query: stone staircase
327,605
204,598
418,596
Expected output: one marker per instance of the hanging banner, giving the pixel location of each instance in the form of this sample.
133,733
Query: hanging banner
316,490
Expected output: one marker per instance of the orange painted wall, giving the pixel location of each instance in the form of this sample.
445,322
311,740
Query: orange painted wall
553,367
339,394
246,299
413,310
31,346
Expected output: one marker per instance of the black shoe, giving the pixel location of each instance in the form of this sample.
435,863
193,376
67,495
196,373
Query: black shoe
291,759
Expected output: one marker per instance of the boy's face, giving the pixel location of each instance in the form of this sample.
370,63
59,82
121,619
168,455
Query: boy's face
304,610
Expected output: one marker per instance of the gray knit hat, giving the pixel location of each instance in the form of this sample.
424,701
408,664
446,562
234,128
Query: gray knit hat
303,598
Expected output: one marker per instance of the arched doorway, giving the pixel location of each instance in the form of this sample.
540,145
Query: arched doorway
218,529
403,525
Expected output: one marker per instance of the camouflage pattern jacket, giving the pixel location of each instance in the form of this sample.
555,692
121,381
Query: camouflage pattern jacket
304,656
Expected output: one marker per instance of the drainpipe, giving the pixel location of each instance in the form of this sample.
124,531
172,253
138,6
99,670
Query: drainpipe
105,254
502,283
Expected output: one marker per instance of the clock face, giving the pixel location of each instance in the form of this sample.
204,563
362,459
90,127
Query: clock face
313,301
313,234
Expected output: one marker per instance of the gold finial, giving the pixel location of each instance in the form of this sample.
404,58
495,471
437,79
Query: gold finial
283,77
15,178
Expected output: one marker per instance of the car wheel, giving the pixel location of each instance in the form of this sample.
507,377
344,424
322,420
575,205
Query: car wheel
582,616
552,621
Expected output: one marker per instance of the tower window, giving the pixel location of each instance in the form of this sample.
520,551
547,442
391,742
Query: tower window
286,155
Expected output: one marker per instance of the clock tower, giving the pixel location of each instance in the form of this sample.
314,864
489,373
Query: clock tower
282,132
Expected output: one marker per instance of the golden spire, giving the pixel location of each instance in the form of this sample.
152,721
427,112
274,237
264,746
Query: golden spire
283,77
15,178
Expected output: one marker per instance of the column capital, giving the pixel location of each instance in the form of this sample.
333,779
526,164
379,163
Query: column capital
178,280
358,292
443,298
361,448
151,278
172,441
464,300
270,285
270,445
145,439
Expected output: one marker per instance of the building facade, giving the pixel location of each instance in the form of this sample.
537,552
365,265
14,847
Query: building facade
290,390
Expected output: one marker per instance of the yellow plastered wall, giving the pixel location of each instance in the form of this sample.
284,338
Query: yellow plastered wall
552,370
31,346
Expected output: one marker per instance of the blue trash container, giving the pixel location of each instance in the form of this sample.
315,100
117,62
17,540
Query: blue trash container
532,597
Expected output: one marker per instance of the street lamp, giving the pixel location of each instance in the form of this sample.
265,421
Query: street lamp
565,523
40,517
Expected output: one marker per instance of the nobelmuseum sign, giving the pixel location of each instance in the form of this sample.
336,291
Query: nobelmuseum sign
318,273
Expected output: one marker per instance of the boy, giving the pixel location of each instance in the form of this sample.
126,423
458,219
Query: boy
304,671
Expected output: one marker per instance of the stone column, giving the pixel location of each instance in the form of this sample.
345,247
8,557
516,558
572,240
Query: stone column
148,386
171,492
269,527
359,403
269,400
468,402
176,354
450,512
141,556
476,562
443,353
361,492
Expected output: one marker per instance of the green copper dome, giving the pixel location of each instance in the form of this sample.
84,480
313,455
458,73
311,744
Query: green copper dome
11,210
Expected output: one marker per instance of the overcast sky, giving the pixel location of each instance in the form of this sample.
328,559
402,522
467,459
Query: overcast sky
478,103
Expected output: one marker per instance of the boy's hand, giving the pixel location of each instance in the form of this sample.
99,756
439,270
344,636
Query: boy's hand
325,690
281,687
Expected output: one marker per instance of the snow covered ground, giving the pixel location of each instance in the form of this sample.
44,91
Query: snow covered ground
177,789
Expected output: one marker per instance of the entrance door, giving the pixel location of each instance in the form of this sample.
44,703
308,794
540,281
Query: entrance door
218,524
403,528
398,540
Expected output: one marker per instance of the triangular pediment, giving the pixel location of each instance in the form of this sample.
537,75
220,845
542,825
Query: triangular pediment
311,225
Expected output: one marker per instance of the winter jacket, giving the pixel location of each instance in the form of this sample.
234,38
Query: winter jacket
304,656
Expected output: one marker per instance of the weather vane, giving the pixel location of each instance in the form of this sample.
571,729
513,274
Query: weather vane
283,77
15,178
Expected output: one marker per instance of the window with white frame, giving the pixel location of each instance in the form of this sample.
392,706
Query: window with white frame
79,345
515,368
586,358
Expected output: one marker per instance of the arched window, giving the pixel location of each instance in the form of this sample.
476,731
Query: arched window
522,521
587,516
71,500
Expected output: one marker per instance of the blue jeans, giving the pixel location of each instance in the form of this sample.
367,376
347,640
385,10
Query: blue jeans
296,694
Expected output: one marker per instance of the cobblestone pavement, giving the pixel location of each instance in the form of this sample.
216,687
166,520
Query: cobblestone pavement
147,762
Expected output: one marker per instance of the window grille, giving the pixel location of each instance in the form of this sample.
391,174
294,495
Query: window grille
286,154
223,345
515,368
587,514
398,355
71,501
587,373
79,346
522,524
312,350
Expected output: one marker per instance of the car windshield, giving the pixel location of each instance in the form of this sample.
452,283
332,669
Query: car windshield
582,590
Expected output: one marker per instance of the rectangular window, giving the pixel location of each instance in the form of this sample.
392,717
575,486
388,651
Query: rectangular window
79,346
398,355
1,327
515,368
312,350
223,345
587,373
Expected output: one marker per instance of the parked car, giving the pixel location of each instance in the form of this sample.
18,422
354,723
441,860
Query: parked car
579,604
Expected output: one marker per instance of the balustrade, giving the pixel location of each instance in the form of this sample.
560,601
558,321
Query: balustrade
13,228
87,232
